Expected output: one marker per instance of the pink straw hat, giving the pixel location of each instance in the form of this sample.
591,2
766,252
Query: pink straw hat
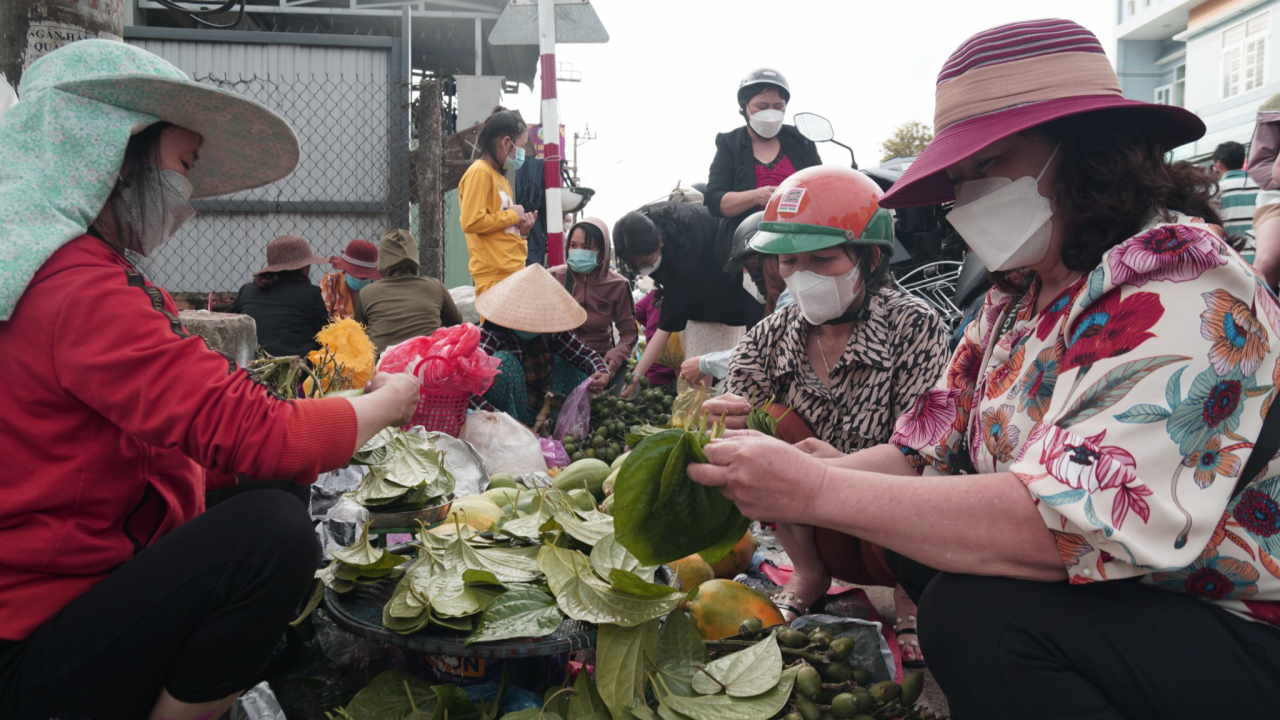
1012,78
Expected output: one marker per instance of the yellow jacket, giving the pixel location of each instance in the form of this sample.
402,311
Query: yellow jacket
492,229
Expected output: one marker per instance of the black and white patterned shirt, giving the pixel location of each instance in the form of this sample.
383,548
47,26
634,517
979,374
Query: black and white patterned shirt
894,355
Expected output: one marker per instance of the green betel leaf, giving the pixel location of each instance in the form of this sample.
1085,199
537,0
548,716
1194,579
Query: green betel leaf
680,653
587,527
743,674
625,582
452,702
660,515
375,490
414,463
362,555
622,653
450,596
643,711
392,694
507,564
608,554
377,450
521,612
461,624
405,625
583,596
727,707
585,701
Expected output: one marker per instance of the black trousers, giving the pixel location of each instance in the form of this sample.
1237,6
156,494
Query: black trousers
1002,648
201,613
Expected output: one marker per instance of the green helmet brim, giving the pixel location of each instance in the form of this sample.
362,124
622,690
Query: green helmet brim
779,238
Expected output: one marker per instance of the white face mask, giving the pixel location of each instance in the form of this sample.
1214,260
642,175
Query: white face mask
151,207
1007,223
652,268
750,286
767,123
823,297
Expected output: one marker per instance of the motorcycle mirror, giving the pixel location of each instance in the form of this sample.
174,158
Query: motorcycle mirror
814,127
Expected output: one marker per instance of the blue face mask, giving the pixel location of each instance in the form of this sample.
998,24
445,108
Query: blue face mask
515,160
356,283
525,335
583,261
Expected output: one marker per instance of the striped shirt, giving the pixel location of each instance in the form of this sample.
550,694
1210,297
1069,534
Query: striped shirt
1236,196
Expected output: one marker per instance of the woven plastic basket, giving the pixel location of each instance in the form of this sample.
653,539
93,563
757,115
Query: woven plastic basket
443,411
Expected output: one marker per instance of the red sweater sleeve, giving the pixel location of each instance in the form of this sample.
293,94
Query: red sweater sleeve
122,352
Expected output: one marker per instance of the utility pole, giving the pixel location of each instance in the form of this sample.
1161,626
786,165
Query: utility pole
430,179
31,29
523,24
551,127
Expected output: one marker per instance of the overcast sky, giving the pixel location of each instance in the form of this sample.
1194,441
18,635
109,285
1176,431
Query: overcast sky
665,83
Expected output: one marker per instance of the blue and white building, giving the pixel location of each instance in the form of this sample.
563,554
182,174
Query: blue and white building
1217,58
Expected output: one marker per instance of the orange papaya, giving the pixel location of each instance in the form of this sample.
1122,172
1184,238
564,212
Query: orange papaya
719,606
739,558
692,571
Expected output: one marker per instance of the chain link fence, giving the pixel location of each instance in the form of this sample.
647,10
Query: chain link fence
352,181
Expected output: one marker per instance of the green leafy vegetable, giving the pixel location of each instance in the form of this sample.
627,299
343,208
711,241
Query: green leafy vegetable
743,674
608,555
622,653
521,612
727,707
680,653
661,515
391,695
583,596
585,700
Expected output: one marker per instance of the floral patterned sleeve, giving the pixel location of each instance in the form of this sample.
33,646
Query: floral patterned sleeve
1129,407
1141,413
929,430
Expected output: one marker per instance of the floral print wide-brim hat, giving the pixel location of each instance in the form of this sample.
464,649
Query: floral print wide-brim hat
62,145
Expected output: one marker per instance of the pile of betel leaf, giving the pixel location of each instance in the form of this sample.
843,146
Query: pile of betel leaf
405,473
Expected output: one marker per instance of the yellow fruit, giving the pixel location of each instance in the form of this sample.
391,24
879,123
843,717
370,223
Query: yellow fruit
739,558
719,606
475,511
692,571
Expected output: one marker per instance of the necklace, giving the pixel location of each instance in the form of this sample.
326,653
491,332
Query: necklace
823,353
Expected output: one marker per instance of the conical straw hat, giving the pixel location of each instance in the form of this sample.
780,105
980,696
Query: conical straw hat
531,300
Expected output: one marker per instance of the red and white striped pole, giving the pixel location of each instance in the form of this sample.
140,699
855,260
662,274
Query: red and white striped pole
551,131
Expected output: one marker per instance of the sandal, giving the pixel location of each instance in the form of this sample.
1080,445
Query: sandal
912,644
791,604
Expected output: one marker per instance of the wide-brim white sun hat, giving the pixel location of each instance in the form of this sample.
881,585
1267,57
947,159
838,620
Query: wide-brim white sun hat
531,300
62,145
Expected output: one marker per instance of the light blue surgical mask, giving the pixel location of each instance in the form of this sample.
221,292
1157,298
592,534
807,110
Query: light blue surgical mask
356,283
525,335
583,261
513,162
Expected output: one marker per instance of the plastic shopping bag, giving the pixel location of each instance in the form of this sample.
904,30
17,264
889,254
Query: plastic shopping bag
575,413
553,453
505,445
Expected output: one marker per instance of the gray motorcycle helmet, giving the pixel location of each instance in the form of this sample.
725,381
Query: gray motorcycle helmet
753,83
742,250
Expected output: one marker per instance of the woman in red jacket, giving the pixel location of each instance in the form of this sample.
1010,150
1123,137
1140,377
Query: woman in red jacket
119,596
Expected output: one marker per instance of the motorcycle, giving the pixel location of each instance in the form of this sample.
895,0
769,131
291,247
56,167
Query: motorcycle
929,260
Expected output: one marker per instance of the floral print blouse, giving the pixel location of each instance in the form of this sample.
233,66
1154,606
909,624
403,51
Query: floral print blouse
1128,407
